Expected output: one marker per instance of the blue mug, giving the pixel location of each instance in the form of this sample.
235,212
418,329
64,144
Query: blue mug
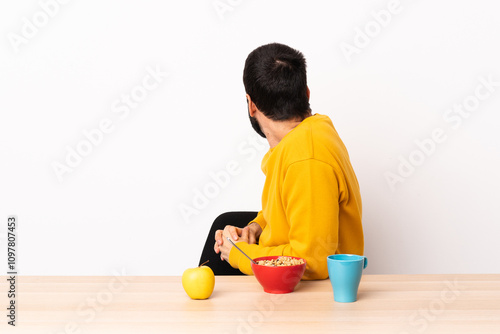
345,274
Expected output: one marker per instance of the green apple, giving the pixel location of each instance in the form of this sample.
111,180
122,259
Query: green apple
198,282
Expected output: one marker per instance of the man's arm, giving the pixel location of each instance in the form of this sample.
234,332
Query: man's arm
259,220
250,234
310,197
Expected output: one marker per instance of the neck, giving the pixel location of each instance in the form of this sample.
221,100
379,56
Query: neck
275,131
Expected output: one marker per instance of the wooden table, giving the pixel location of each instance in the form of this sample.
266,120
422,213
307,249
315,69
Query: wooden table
386,304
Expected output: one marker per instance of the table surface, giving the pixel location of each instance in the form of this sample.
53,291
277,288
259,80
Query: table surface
128,304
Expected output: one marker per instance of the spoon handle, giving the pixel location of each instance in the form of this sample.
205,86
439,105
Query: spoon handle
242,252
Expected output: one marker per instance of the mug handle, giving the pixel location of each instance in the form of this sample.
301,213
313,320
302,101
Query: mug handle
365,262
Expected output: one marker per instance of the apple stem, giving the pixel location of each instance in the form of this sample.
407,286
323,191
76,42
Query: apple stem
204,262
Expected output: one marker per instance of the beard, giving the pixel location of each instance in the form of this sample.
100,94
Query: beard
256,126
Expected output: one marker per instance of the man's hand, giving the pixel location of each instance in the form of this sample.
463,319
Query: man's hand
250,234
254,232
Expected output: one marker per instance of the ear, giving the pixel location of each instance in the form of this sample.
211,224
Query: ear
252,108
308,93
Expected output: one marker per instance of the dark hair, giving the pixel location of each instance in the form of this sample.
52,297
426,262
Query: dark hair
275,78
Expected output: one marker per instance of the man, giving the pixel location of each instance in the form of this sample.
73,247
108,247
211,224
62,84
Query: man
311,203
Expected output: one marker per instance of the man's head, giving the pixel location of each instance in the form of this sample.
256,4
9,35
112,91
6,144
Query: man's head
275,81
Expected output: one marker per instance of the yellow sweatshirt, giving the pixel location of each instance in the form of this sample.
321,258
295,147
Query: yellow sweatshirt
311,203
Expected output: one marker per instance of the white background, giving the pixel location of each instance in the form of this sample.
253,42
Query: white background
120,207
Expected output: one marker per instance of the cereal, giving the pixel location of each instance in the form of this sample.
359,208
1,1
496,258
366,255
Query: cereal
281,261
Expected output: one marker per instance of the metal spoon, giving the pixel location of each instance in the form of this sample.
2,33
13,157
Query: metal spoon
231,241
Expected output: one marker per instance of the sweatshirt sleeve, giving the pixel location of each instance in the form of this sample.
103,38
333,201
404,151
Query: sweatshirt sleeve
310,197
259,220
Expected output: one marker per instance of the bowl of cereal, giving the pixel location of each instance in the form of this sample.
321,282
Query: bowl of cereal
279,274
